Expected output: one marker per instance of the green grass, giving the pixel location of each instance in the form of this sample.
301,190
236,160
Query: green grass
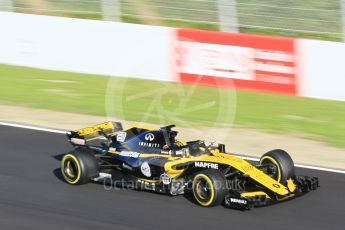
169,103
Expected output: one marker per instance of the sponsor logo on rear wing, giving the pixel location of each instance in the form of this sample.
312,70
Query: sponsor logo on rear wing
107,126
94,132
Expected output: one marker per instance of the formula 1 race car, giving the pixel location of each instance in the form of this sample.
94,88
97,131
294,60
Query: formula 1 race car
152,159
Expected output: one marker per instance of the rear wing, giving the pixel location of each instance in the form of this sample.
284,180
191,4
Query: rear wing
81,136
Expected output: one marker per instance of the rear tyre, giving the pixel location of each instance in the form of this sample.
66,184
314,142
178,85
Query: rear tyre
282,163
79,167
209,187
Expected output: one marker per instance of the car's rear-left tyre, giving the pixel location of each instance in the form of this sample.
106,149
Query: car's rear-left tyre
282,164
209,188
79,167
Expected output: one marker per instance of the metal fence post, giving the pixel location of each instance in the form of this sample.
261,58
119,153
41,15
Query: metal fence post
227,15
6,5
111,10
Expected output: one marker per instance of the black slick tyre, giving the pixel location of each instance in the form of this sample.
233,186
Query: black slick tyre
79,167
283,163
209,187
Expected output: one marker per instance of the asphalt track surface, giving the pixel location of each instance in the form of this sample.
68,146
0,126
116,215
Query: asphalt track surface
33,196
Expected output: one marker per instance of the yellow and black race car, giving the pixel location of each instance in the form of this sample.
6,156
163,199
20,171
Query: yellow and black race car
152,159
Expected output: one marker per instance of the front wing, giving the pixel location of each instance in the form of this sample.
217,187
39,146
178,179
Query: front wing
248,200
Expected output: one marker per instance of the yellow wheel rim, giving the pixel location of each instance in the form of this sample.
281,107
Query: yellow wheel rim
70,168
274,162
204,198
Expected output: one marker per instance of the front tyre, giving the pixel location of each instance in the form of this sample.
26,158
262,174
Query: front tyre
79,167
282,164
209,188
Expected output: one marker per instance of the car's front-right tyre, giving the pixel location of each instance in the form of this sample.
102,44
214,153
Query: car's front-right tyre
282,164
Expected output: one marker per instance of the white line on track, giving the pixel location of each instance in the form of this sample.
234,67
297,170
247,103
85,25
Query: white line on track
32,127
239,155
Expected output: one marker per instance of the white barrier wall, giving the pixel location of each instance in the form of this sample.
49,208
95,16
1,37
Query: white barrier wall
322,69
85,46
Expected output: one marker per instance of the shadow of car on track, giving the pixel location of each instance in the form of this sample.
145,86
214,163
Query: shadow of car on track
57,172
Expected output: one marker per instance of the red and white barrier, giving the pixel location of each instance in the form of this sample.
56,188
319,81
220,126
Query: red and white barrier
261,63
250,62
